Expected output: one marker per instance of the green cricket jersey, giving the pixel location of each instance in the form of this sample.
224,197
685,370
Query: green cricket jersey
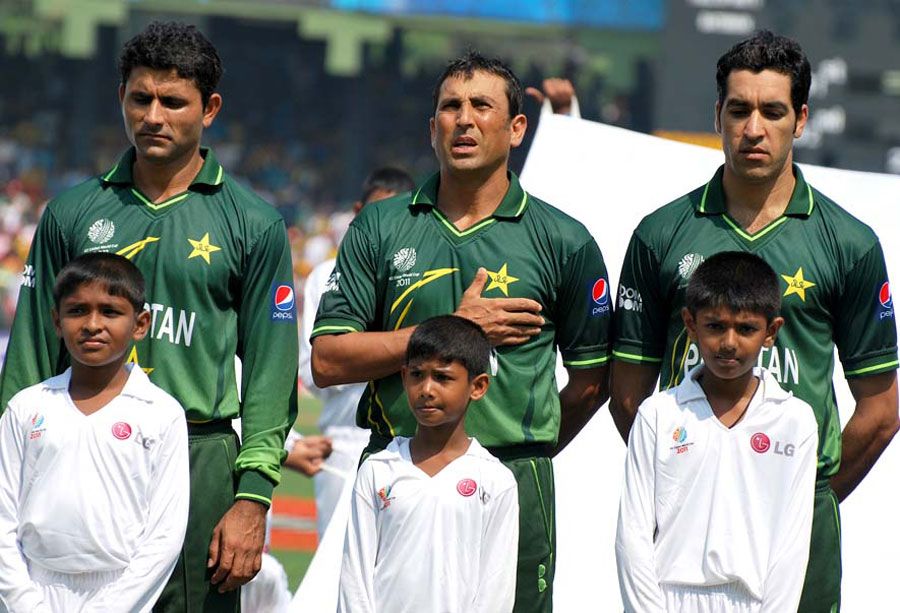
217,267
402,261
835,293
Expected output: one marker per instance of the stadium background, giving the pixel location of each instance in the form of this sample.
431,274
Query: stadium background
318,92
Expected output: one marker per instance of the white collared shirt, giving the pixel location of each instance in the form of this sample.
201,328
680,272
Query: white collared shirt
102,492
705,505
421,544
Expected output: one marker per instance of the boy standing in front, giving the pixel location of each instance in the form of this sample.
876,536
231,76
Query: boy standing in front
717,504
434,519
93,462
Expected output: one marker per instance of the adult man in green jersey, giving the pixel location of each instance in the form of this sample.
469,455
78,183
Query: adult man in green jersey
471,241
219,281
834,282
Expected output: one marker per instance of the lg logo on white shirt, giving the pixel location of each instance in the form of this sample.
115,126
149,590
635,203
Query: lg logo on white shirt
761,443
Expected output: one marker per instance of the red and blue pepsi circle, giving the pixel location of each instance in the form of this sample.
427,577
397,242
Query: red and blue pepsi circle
884,296
600,297
284,298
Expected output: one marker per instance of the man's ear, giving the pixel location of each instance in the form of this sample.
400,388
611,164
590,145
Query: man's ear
54,314
689,323
479,386
518,126
141,325
772,331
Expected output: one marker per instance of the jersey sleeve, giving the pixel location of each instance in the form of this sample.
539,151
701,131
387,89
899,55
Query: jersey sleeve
584,319
357,587
635,555
496,592
865,323
790,546
640,318
156,552
348,303
17,591
267,346
34,352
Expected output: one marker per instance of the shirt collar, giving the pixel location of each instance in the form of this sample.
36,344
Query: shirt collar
512,206
769,389
712,199
211,173
137,386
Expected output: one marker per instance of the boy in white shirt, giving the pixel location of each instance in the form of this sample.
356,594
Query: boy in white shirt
716,509
434,519
93,462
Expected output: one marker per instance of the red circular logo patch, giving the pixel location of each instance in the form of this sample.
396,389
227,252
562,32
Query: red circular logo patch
466,487
760,442
121,430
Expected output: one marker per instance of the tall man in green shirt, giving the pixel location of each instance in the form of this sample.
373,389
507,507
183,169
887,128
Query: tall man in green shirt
471,241
834,281
219,283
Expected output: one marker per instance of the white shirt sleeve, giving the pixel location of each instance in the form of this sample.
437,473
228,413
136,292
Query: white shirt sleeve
635,558
156,553
17,591
790,545
496,591
312,294
357,589
574,110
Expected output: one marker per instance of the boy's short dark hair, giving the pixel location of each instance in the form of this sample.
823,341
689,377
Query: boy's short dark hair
118,274
387,179
767,51
473,61
167,45
449,338
736,280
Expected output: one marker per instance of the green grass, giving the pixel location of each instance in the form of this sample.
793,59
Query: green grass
295,564
294,484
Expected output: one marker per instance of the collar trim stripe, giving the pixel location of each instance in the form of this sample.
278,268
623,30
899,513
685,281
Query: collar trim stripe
811,201
703,199
111,172
753,237
467,231
522,204
161,205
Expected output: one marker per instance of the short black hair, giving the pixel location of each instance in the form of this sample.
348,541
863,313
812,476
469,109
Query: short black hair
171,44
388,179
449,338
736,280
473,61
118,274
767,51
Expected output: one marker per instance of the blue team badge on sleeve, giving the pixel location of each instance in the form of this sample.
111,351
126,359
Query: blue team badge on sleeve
885,301
284,304
600,297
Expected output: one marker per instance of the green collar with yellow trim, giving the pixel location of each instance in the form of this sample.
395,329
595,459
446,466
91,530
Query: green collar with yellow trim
512,206
211,173
712,202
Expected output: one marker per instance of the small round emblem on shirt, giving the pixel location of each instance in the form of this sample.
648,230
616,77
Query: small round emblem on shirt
466,487
121,430
760,442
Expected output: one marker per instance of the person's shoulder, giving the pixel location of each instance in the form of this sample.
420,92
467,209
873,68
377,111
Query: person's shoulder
562,225
661,401
36,397
798,414
248,203
658,225
490,466
70,201
848,229
384,213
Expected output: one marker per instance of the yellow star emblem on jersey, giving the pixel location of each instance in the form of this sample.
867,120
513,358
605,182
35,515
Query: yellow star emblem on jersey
202,248
797,284
501,279
133,359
